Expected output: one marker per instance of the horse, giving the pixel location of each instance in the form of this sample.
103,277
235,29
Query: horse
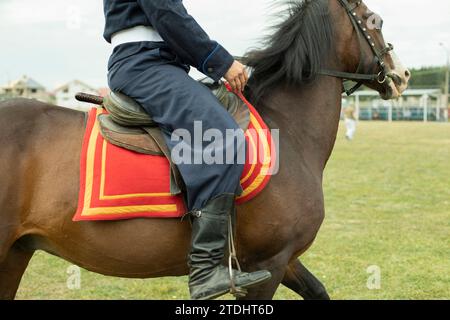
296,85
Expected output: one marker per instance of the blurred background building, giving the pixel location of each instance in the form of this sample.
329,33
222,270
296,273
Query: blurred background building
65,95
62,96
25,87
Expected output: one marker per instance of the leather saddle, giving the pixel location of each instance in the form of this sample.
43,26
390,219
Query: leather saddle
129,126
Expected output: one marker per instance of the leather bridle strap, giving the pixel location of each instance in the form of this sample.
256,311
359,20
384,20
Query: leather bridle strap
350,76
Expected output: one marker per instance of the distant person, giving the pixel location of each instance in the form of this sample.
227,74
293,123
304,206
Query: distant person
407,114
350,122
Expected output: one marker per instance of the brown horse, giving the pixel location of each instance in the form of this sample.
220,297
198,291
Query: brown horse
40,149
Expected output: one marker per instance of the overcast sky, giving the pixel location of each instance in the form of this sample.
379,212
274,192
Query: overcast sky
54,41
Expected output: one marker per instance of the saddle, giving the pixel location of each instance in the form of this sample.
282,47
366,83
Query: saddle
129,126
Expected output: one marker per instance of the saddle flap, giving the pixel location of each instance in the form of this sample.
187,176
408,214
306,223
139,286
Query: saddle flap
131,138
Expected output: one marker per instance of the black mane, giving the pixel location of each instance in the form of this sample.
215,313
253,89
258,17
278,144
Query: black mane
296,51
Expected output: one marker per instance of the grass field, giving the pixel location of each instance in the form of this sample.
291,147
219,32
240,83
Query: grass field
388,205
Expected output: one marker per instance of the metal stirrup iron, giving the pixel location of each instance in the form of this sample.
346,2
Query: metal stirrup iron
235,291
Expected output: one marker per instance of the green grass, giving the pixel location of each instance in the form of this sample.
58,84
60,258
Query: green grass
388,204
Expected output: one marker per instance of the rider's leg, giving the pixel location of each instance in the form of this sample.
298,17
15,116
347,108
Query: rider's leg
176,102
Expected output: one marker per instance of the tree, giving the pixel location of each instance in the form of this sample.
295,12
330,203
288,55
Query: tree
427,78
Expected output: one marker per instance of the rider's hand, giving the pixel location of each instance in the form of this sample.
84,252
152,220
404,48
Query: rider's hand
237,76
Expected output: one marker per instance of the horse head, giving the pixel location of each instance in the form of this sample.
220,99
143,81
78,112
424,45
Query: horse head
361,47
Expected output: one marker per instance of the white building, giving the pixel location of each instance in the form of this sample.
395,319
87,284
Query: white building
25,87
65,95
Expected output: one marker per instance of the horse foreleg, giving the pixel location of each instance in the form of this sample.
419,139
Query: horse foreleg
300,280
11,270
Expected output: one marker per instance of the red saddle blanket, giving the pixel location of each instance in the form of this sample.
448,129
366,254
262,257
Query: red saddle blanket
117,184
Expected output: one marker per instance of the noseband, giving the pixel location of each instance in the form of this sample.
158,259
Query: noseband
378,57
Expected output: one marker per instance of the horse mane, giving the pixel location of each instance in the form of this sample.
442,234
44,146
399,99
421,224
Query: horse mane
296,51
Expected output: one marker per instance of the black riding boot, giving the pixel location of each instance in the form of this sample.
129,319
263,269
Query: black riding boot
208,279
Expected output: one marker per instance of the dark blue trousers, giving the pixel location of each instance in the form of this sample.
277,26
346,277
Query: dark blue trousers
152,75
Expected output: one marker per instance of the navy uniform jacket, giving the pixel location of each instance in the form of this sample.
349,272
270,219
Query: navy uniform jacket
180,31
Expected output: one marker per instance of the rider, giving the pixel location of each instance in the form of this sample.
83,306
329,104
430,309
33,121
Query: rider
155,43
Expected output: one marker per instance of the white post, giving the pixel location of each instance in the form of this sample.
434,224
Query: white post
357,106
438,110
447,79
425,108
390,112
401,107
447,76
446,114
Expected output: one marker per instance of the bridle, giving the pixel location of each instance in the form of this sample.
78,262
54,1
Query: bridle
362,32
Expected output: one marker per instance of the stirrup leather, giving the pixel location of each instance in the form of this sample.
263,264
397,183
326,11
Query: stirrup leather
237,292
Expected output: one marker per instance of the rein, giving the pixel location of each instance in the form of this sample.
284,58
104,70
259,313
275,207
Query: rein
378,55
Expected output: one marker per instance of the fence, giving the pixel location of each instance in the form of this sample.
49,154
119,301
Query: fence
414,105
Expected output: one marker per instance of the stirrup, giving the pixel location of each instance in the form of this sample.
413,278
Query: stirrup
237,292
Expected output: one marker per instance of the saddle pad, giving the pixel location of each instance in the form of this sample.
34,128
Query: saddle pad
117,184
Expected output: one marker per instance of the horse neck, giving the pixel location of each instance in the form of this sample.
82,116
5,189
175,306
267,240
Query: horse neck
308,118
